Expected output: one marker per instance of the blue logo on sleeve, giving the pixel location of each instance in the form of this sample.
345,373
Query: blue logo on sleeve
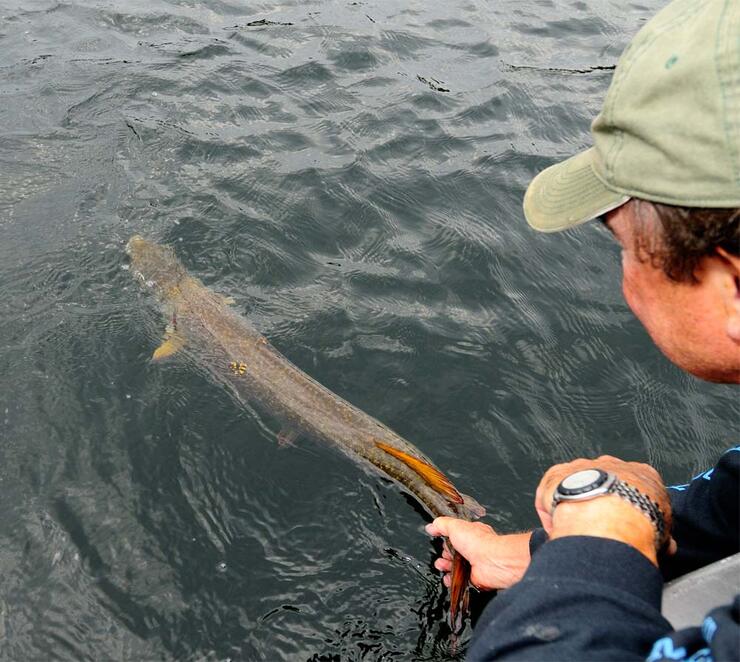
708,628
706,475
663,649
702,655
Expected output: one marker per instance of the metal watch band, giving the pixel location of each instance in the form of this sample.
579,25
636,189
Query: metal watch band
646,505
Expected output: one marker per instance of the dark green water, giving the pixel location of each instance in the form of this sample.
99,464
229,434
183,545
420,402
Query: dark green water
371,227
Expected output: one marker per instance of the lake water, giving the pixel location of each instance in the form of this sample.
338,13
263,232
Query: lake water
351,173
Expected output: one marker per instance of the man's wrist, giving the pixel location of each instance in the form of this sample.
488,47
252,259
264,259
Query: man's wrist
606,517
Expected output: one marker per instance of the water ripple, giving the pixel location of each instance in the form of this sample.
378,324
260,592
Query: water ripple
351,174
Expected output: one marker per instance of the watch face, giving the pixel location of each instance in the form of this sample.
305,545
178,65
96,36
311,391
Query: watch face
582,481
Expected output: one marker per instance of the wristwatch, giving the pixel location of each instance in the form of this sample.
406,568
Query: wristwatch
594,483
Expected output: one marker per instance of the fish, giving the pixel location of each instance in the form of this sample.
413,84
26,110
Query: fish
205,329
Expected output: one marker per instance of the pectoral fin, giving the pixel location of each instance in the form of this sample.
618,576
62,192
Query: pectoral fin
287,437
431,475
171,345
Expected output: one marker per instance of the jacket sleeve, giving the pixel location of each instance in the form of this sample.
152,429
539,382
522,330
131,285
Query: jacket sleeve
706,517
592,598
582,598
586,598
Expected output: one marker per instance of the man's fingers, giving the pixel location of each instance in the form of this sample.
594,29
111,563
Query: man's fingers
545,518
443,565
543,497
440,526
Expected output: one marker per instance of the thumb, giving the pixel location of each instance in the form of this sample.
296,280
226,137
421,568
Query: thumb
471,539
441,526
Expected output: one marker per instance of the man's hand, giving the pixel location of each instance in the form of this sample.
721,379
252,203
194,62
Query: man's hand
499,561
496,561
608,516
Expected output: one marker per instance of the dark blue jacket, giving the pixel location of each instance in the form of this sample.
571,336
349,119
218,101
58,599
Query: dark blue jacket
587,598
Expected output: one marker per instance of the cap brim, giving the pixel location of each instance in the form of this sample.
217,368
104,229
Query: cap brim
568,194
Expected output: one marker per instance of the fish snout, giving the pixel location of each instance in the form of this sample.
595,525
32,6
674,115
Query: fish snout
132,243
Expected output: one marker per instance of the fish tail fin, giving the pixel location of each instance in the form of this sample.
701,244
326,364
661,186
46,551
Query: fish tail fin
459,595
431,475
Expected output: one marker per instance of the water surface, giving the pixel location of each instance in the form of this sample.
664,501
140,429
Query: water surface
352,174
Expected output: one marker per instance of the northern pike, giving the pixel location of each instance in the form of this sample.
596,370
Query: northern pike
206,331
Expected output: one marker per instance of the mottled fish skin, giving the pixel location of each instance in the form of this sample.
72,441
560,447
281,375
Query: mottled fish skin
224,344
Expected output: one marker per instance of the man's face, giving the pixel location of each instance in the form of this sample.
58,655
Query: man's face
687,321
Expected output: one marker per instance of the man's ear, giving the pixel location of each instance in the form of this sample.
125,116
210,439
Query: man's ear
732,295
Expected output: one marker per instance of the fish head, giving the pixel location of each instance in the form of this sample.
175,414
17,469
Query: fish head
156,266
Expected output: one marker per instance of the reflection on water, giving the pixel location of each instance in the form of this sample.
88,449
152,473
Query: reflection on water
351,173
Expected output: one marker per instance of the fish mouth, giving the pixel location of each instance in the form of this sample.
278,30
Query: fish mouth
132,243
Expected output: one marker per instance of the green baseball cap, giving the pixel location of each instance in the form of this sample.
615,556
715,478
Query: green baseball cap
669,130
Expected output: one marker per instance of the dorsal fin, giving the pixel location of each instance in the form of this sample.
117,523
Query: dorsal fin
431,475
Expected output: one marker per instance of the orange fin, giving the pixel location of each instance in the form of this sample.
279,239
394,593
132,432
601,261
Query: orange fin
430,474
172,344
459,580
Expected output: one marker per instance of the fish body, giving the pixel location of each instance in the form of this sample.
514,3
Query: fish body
204,329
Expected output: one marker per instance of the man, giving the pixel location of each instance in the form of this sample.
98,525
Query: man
664,175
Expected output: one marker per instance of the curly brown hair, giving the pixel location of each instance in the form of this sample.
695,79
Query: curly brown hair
687,234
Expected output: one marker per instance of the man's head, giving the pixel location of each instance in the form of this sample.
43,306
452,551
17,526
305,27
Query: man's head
683,285
665,173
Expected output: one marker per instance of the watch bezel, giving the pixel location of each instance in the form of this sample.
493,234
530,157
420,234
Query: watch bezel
602,485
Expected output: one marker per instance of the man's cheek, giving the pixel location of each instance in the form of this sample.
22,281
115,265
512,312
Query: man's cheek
628,291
